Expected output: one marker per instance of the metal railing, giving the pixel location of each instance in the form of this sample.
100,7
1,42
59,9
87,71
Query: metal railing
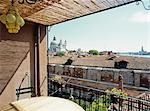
24,90
145,96
96,100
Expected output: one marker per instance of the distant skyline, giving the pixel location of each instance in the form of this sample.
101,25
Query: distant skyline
123,29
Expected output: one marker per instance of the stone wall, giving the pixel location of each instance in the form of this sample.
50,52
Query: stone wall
138,78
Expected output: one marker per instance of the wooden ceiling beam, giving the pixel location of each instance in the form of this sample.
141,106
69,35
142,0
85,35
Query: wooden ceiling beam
49,13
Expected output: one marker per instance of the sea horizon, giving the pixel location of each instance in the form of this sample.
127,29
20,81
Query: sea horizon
134,55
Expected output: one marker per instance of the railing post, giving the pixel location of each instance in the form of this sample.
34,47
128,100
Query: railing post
139,105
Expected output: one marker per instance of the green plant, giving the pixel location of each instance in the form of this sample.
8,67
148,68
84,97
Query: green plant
117,92
103,102
100,104
93,52
58,79
60,53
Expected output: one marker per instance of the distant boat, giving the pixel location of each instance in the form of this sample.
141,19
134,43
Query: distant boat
142,52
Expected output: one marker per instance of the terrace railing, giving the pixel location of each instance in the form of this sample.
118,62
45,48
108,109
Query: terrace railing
96,100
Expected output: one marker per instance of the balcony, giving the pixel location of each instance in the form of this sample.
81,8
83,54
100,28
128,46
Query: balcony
81,87
97,100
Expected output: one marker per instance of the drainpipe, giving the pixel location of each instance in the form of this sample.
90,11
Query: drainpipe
37,62
47,35
0,31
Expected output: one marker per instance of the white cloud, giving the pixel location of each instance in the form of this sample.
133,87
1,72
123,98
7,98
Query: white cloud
141,17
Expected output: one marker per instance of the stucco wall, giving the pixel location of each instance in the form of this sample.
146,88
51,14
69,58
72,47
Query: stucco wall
9,94
130,77
26,34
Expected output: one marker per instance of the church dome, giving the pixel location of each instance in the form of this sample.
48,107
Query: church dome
57,47
54,42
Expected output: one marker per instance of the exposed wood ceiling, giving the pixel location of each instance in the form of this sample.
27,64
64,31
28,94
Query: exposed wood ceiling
49,13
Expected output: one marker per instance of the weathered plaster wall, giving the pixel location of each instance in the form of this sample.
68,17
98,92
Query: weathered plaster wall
136,78
27,34
9,94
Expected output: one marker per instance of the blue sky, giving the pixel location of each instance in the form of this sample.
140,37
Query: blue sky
122,29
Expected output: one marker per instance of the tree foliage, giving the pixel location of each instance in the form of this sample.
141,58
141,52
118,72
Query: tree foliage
93,52
60,53
103,102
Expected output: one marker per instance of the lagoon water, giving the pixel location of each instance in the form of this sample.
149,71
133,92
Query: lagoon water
132,55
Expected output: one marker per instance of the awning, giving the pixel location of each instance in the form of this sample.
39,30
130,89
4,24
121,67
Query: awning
49,13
